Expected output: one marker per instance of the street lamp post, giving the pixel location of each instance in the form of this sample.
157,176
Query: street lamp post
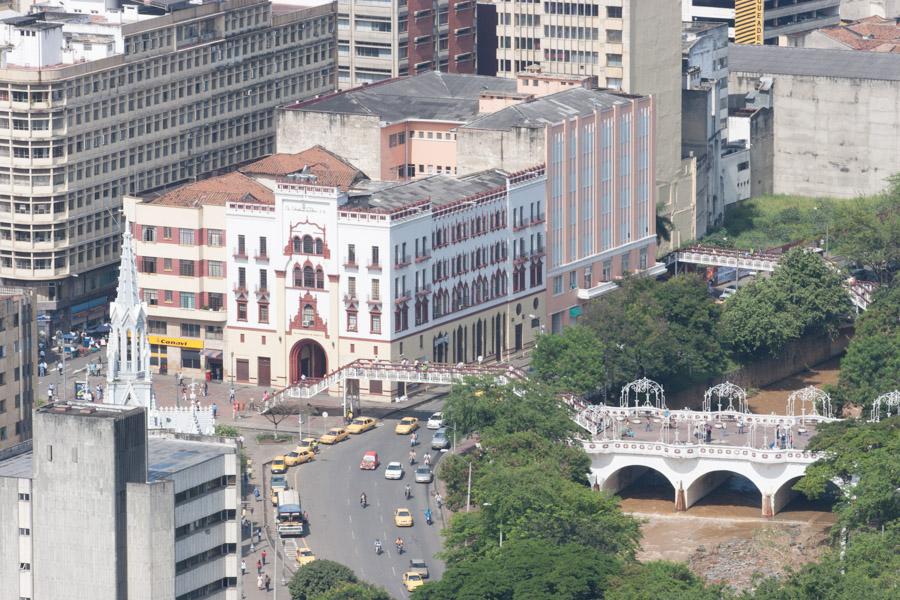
500,525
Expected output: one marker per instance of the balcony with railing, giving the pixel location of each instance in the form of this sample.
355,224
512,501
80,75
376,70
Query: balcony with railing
402,261
240,252
403,296
373,266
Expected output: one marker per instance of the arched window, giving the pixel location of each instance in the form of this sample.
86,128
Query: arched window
309,314
320,278
309,277
320,247
296,245
298,273
307,244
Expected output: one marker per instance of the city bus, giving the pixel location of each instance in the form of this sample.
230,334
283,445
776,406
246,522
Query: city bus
289,516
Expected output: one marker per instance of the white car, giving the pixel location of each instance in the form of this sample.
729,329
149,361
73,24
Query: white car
435,421
394,470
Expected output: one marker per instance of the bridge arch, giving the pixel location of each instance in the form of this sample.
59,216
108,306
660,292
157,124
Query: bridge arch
628,474
707,482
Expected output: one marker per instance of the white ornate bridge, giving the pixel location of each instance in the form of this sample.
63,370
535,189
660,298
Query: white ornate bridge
696,451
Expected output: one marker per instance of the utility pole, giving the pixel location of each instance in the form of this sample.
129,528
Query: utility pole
469,489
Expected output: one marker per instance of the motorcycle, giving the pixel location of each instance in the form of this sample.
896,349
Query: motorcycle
428,516
378,548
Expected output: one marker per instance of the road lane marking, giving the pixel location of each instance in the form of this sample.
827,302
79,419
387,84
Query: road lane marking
394,571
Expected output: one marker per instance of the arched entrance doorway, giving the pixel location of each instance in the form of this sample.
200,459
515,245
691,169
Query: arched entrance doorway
308,360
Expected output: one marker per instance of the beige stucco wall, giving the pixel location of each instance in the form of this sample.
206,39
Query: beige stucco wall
356,138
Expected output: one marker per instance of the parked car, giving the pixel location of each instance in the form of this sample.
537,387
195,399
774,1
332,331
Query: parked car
309,442
435,421
278,466
440,440
424,475
361,424
298,456
369,461
394,470
334,435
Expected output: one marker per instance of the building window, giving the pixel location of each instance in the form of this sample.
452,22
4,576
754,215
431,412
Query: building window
156,326
215,237
351,254
376,324
190,359
263,313
376,290
642,258
186,268
375,258
167,264
167,233
309,277
151,297
187,300
214,332
190,330
573,280
263,251
613,12
351,287
168,295
626,264
242,246
215,268
351,321
24,531
215,300
309,315
607,270
558,285
148,264
186,237
241,311
149,234
263,279
587,278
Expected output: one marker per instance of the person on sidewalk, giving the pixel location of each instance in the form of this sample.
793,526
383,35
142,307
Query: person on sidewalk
258,567
268,582
215,410
243,567
263,554
259,582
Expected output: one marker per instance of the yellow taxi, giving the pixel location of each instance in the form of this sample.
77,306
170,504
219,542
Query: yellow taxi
279,466
361,424
334,435
309,442
412,580
403,517
305,556
406,425
298,456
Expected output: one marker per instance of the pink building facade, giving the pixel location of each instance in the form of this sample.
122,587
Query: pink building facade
600,204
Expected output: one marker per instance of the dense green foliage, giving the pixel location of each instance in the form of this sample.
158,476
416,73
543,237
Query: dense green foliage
660,579
868,232
664,329
319,577
871,365
802,296
354,591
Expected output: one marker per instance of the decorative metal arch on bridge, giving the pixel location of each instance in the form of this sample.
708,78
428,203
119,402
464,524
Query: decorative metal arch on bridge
818,401
729,392
890,403
645,392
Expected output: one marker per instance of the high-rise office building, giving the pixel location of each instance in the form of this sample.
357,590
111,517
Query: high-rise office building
99,99
764,21
18,349
95,506
380,39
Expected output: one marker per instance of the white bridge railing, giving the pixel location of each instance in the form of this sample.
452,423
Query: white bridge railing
723,257
400,372
692,451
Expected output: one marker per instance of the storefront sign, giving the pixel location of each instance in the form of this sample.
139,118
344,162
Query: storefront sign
176,341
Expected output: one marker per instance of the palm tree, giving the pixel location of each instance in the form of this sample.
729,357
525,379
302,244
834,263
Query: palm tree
664,226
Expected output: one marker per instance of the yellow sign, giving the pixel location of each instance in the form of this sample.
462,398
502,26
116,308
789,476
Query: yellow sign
176,341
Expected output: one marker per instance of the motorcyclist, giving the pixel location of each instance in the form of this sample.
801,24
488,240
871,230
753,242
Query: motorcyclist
427,460
412,457
408,491
399,544
438,500
413,439
363,500
428,516
378,547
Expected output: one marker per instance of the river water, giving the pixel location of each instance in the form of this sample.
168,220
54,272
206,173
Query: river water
723,537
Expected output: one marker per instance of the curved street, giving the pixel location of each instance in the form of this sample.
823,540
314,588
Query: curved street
342,531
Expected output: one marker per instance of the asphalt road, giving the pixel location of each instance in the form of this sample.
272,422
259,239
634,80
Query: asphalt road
341,530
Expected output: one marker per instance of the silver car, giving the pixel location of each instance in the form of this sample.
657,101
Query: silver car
424,475
440,440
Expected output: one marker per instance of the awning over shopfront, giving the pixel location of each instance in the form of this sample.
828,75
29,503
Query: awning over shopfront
213,354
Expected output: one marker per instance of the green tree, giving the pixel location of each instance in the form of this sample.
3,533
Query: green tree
319,577
871,365
802,296
660,579
574,360
527,570
487,407
664,225
864,457
870,236
354,591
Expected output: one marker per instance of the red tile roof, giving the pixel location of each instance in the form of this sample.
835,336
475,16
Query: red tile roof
216,191
328,168
872,34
